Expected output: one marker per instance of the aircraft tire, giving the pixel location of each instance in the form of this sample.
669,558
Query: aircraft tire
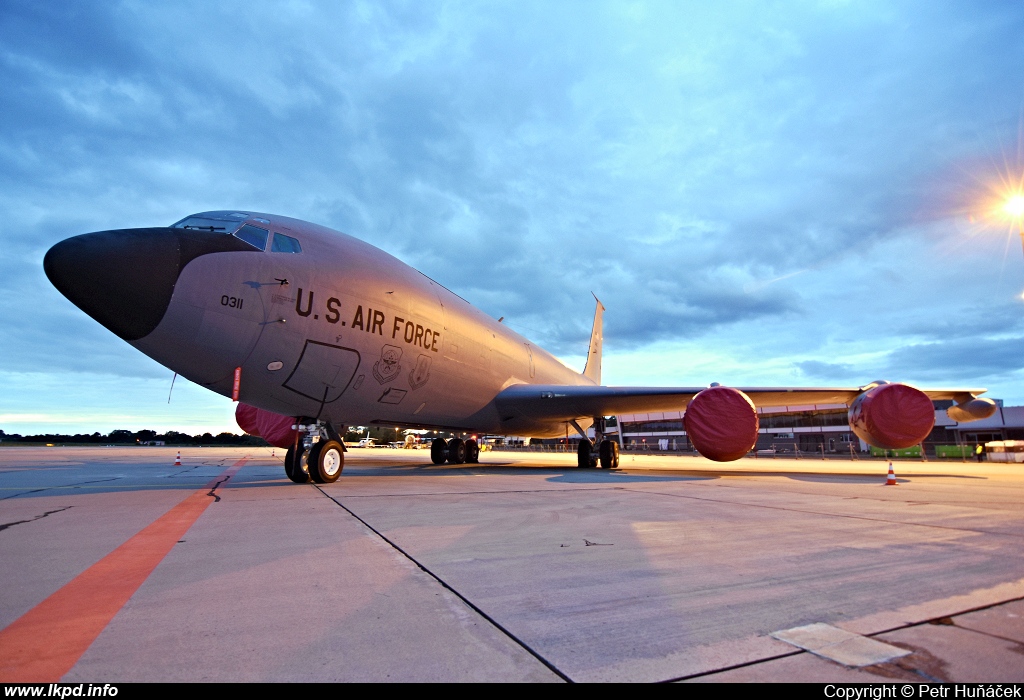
326,460
439,451
583,458
472,452
456,451
293,466
609,454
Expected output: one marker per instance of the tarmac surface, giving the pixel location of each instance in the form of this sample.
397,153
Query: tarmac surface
119,566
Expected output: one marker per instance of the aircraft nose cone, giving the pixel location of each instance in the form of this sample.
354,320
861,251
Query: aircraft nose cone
124,279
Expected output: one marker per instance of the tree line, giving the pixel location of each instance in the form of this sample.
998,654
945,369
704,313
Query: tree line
127,437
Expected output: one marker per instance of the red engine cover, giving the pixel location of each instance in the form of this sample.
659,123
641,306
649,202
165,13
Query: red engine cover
721,423
272,427
892,416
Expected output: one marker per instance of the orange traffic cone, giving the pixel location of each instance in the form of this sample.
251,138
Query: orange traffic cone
891,481
177,460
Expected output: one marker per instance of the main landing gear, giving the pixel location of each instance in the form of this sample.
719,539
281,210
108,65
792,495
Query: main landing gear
454,451
318,455
607,452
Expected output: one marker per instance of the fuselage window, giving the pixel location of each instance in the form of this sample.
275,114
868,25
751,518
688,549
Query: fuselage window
284,244
253,235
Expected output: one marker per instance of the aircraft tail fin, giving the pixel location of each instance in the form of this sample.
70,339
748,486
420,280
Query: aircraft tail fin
592,370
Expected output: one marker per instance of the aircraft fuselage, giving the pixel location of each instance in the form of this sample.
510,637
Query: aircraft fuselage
341,331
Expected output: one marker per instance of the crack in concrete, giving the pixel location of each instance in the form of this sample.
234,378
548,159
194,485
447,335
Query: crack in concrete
950,622
183,471
215,487
32,520
66,486
23,493
527,648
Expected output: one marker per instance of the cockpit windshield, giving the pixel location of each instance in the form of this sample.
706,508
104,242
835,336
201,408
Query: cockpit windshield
216,221
233,223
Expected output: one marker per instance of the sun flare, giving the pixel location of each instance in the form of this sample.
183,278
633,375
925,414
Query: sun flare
1014,206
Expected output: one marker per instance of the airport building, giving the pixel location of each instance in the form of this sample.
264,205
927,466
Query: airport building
820,428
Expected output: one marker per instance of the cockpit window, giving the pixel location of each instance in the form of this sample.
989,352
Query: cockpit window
213,221
253,235
285,244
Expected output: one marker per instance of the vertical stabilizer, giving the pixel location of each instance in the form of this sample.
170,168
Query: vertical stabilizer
592,370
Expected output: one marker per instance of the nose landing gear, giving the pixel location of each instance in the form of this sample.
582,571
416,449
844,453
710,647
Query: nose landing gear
325,462
295,464
317,456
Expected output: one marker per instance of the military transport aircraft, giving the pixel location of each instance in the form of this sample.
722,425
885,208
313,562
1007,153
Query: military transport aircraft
312,330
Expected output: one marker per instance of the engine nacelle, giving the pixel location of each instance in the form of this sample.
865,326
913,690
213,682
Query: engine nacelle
272,427
892,416
974,409
722,423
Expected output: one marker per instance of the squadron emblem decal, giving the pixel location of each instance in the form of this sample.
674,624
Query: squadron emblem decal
420,374
387,367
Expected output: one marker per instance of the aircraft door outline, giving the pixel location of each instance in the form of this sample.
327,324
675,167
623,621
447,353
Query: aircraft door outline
323,371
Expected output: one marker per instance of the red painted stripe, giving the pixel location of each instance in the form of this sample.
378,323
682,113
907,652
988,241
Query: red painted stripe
44,643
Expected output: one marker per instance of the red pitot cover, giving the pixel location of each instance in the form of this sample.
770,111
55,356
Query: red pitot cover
721,423
892,416
272,427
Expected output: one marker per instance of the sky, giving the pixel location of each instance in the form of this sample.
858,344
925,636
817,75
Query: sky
760,193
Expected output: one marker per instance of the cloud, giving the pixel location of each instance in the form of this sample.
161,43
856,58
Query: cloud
979,358
824,370
682,162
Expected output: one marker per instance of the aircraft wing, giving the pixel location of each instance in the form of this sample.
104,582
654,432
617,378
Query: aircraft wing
560,402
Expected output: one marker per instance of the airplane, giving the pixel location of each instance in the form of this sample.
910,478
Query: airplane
312,330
